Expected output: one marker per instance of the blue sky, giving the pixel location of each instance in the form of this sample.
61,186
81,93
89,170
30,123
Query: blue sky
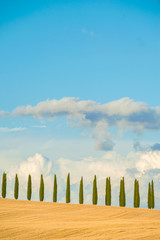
47,48
56,56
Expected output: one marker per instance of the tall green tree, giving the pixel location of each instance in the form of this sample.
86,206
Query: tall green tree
81,191
149,195
120,194
138,198
29,188
4,185
55,189
16,187
122,197
68,189
124,193
95,193
108,192
152,194
41,189
136,194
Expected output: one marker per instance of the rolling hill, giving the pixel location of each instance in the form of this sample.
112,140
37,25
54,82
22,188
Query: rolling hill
20,219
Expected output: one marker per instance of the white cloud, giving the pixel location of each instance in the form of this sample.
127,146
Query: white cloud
39,126
123,113
148,160
35,166
6,129
124,107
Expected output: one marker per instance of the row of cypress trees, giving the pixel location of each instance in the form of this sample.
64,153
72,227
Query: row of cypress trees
122,196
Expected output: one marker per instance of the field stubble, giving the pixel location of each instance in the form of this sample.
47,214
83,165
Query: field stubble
22,220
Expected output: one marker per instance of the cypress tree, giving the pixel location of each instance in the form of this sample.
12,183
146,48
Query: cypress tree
106,193
120,194
55,189
109,192
16,187
68,189
29,188
149,195
4,185
135,193
41,189
95,193
81,191
138,195
122,197
124,194
152,194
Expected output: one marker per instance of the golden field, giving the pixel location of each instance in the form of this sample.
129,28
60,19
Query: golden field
22,220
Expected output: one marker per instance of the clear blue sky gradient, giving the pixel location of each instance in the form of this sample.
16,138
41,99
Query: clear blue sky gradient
97,50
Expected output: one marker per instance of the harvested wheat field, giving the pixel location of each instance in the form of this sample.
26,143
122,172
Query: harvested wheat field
21,219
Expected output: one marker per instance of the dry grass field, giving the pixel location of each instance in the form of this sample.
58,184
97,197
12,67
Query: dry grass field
43,220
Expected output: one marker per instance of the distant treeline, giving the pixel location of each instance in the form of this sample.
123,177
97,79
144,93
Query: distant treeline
122,195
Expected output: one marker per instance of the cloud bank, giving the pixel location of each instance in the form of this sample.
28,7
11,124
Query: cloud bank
142,165
124,114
